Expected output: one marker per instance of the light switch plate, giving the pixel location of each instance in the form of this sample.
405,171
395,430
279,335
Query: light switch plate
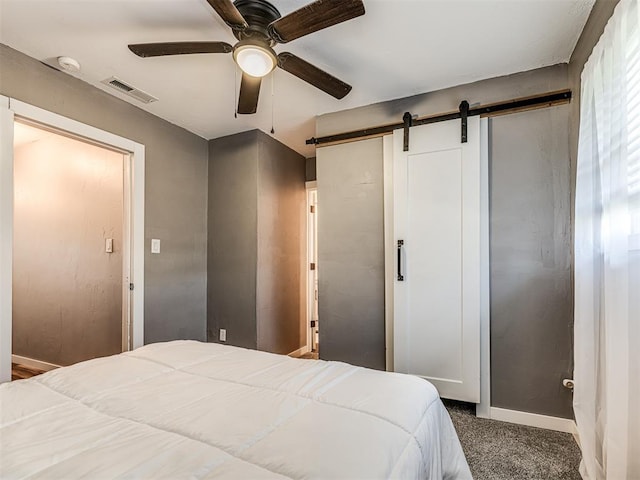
108,245
155,245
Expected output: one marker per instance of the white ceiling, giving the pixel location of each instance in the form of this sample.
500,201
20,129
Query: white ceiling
397,49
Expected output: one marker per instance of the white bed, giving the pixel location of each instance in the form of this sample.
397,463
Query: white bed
187,409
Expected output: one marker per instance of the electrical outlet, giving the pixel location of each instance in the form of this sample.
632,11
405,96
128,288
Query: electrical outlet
223,335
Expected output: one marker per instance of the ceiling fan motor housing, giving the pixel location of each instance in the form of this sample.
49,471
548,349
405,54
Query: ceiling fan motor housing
258,15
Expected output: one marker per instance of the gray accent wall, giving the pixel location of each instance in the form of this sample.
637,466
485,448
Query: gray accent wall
531,301
256,245
310,174
351,253
233,239
530,251
175,193
281,247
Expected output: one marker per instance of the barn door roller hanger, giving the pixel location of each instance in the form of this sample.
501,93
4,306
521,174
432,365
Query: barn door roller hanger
407,119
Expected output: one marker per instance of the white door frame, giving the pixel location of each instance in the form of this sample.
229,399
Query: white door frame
9,110
311,255
483,408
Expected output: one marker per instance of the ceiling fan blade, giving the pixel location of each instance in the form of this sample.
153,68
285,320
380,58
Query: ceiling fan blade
179,48
249,92
229,13
313,75
313,17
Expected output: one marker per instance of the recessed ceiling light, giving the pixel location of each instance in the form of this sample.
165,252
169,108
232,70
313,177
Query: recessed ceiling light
69,64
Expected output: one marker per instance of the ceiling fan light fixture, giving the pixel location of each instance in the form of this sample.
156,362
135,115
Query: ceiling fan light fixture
255,60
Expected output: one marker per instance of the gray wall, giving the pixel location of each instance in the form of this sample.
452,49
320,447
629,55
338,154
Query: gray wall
67,291
175,196
233,240
310,169
256,225
519,369
281,226
530,244
351,253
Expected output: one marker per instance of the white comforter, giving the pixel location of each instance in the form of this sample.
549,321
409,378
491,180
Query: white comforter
200,410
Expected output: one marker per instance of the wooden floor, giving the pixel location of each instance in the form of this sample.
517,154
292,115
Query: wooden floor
20,372
310,355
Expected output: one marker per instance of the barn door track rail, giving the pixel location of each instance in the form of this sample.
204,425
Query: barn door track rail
544,100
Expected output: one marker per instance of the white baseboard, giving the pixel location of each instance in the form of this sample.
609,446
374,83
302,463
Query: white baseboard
32,363
300,351
566,425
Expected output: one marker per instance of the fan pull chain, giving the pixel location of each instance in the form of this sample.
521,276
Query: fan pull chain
273,79
235,92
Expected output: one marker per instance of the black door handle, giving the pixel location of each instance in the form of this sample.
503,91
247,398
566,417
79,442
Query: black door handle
400,277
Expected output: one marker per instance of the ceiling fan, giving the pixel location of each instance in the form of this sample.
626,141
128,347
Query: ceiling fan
258,26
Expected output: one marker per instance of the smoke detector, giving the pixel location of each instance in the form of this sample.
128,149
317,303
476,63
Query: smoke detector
69,64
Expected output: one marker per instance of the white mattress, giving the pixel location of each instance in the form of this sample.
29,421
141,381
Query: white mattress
187,409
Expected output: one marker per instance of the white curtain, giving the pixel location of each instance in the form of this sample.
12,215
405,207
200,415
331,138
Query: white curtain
607,254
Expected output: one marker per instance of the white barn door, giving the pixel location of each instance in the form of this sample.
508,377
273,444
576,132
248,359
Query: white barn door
437,277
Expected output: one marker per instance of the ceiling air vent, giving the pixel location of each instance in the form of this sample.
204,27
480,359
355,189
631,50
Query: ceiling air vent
136,93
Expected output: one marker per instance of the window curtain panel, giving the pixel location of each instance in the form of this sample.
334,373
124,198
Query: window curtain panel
607,254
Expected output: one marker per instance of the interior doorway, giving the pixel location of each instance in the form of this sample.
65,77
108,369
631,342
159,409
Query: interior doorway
71,249
132,280
313,325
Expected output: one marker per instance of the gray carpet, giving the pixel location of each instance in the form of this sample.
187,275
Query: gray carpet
504,451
